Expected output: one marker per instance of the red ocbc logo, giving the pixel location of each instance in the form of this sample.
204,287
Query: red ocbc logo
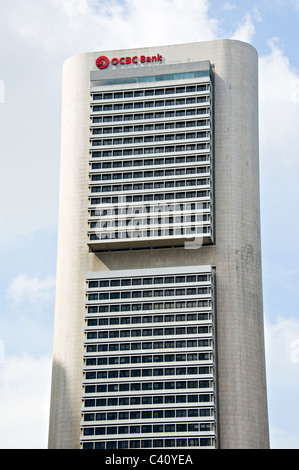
103,61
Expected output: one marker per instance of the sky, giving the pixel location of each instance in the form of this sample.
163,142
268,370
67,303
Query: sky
36,37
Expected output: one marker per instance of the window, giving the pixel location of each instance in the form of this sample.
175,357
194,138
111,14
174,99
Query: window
108,344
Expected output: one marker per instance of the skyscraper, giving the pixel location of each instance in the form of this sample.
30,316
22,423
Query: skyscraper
159,339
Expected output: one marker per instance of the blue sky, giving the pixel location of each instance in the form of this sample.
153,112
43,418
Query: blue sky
35,39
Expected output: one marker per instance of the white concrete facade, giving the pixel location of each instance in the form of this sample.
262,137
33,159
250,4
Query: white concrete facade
234,253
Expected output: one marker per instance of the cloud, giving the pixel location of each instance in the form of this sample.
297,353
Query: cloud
282,339
279,141
279,90
31,302
275,67
84,25
41,35
282,439
246,29
228,6
33,290
24,402
169,21
73,7
282,360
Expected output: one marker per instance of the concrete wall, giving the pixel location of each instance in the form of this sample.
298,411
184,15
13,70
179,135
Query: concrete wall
242,413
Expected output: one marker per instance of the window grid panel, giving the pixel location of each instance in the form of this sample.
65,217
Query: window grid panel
152,370
178,135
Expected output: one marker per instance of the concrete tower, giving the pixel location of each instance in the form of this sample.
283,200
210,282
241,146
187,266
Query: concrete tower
159,337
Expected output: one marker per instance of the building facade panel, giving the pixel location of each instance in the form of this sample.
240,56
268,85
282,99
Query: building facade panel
150,360
151,178
231,244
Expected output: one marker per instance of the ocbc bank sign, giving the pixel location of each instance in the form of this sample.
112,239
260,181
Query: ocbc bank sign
103,62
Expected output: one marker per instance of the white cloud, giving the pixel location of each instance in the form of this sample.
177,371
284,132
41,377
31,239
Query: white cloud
73,7
246,29
88,25
41,35
229,6
281,439
277,74
282,359
24,402
279,143
169,21
282,337
33,290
